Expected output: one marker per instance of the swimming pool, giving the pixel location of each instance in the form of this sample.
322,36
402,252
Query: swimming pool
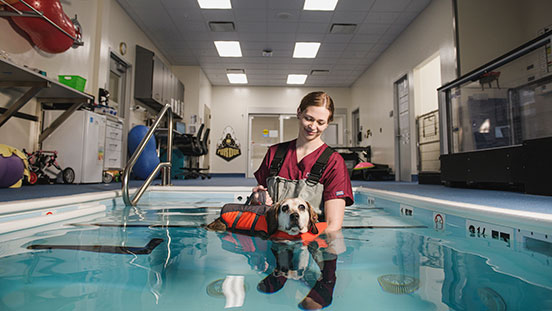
395,253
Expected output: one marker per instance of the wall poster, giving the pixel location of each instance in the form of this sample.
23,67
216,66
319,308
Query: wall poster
228,146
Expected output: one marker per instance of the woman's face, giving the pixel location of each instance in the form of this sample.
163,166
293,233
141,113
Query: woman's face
313,121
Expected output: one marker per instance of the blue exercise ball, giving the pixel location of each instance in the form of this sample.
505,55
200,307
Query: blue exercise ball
148,160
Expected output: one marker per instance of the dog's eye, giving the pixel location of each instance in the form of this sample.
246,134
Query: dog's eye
301,207
285,208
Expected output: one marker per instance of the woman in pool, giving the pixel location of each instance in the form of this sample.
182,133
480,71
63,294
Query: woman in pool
289,170
306,167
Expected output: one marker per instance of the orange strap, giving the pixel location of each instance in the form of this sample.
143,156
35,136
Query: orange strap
306,237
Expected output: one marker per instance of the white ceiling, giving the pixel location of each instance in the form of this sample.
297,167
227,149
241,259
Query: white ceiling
180,29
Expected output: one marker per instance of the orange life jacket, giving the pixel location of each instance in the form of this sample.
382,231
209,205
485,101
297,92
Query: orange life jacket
250,219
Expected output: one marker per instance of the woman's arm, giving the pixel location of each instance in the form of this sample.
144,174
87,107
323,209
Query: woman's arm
334,210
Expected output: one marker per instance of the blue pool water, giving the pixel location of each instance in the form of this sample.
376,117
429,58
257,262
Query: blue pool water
390,256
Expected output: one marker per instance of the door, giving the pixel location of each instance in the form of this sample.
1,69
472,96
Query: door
207,121
265,131
117,85
118,80
402,130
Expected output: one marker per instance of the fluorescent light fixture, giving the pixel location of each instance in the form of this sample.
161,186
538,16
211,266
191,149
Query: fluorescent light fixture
306,49
320,5
214,4
237,78
296,79
228,48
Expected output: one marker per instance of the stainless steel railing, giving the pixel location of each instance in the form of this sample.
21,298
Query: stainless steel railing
166,166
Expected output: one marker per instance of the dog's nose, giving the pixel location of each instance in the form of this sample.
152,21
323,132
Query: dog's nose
294,216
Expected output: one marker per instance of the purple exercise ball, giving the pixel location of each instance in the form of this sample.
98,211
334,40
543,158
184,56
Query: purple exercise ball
11,170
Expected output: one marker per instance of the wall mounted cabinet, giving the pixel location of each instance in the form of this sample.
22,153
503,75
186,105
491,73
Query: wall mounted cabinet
155,85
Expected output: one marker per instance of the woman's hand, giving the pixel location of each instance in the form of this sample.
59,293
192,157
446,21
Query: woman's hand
260,196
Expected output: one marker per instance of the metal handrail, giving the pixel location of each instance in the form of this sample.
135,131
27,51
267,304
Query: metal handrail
166,174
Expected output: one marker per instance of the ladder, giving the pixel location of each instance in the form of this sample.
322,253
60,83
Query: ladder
166,166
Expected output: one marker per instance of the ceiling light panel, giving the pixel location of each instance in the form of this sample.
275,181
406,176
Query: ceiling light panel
296,79
320,5
228,48
237,78
214,4
306,49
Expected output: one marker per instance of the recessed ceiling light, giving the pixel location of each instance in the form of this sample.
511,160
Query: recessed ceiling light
306,49
214,4
237,78
296,79
320,5
228,48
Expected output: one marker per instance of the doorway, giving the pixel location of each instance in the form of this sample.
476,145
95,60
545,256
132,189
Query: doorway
266,130
357,131
118,84
402,130
207,121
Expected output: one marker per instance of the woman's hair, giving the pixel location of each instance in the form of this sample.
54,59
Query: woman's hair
320,99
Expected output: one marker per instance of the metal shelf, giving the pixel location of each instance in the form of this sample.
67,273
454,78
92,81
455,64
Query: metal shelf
44,89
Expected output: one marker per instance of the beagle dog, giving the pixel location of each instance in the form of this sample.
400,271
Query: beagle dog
292,216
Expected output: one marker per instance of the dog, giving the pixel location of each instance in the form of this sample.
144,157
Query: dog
292,216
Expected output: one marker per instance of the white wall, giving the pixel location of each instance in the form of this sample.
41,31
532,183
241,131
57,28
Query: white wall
104,25
429,34
230,106
21,133
427,78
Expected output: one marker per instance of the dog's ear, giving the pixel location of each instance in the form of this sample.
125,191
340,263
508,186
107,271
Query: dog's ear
313,219
272,218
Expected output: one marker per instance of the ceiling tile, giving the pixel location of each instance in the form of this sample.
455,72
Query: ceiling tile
242,26
372,29
349,17
354,5
337,38
218,15
316,16
365,39
390,6
250,15
249,4
278,27
317,28
381,17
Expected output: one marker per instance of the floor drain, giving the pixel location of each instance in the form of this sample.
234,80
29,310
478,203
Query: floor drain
491,299
398,284
214,289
